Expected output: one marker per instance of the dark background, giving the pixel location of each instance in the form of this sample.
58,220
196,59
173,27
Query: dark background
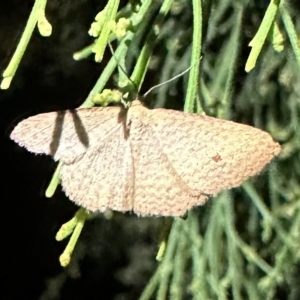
49,79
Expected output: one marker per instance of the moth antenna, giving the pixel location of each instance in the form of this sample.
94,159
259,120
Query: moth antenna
155,86
124,71
169,80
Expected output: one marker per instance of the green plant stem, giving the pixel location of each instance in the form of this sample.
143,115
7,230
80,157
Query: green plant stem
248,187
109,12
208,99
67,228
8,74
160,280
120,52
198,285
164,239
261,35
290,29
192,95
213,249
84,53
233,253
141,66
55,181
248,251
180,259
152,284
107,72
234,45
167,263
221,7
77,223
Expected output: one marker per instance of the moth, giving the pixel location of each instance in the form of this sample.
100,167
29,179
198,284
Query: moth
152,162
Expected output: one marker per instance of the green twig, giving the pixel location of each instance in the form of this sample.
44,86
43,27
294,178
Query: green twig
107,72
192,96
37,11
55,181
261,35
248,187
160,280
198,285
104,23
290,29
141,66
234,46
167,263
77,223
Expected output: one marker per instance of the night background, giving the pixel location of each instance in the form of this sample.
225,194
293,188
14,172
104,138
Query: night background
49,79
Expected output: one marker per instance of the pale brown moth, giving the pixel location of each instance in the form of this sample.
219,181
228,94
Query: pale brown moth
153,162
